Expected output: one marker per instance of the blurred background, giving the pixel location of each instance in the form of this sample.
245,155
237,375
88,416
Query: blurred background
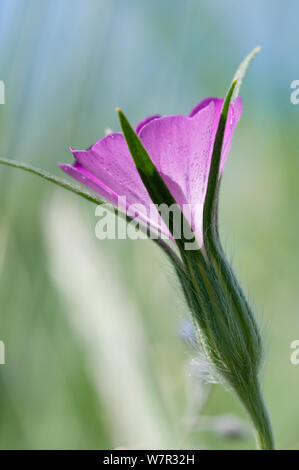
93,329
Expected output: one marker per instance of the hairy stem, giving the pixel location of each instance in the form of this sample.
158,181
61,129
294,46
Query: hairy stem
252,399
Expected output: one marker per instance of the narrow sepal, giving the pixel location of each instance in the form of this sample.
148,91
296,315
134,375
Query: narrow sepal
242,69
53,179
152,180
210,216
210,204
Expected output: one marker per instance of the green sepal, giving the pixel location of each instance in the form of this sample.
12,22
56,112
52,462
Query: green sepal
53,179
89,197
210,204
210,216
242,69
152,180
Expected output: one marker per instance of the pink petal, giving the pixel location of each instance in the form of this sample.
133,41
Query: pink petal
218,102
142,123
86,178
235,111
181,148
108,169
109,160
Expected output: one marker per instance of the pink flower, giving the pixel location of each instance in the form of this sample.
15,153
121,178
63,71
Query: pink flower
179,146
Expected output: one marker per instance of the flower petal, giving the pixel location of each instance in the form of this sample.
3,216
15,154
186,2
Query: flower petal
234,115
79,173
218,102
181,149
235,111
109,160
108,169
142,123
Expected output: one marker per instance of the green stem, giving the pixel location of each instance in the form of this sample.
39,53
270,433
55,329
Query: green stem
253,401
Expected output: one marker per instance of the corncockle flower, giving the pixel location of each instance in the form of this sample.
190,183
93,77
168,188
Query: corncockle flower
180,147
179,160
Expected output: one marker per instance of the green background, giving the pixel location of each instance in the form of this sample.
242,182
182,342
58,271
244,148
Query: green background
94,354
